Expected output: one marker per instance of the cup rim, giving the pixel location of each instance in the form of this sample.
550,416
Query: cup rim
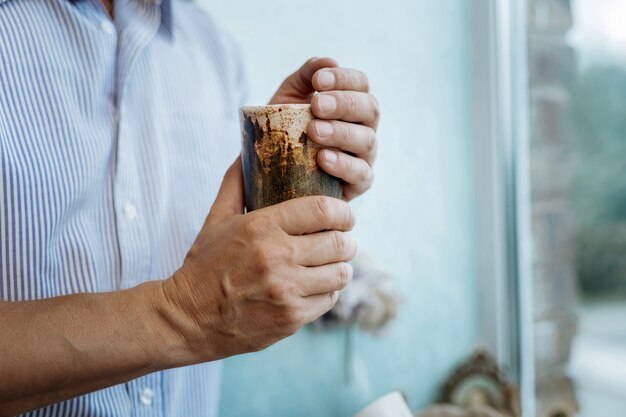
274,107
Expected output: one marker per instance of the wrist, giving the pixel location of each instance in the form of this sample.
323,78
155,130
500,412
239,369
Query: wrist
166,329
184,331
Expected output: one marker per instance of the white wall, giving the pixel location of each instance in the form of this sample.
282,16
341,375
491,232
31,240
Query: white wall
417,219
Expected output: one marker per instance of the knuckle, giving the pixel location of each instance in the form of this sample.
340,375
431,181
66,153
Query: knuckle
289,318
351,247
323,208
353,80
339,243
364,173
328,208
351,217
289,250
348,164
350,102
262,262
370,180
278,292
268,257
370,141
281,253
332,299
344,274
254,225
375,106
250,228
346,132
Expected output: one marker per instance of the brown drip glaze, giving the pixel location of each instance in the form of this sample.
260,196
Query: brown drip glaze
279,161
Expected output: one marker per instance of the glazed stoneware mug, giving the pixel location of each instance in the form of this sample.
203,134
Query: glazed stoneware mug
279,161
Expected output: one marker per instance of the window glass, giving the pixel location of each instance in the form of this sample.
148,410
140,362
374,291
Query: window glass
577,53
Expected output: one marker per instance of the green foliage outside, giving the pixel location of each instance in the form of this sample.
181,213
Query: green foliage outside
599,119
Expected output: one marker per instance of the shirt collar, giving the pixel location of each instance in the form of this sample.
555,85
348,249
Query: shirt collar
166,11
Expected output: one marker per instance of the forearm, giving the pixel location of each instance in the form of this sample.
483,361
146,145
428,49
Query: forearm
58,348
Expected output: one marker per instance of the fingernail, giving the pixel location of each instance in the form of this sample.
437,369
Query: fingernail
326,79
326,103
330,156
323,129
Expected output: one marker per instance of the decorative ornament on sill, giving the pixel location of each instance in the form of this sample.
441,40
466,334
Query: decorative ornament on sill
369,301
477,388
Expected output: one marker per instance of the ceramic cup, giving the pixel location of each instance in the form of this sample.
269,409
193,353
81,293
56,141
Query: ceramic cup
279,161
390,405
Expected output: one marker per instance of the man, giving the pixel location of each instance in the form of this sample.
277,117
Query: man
119,295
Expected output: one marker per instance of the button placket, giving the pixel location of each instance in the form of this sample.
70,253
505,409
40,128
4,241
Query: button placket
132,228
107,26
147,394
136,30
130,211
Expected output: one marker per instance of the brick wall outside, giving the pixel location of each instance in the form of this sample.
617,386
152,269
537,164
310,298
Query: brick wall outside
552,68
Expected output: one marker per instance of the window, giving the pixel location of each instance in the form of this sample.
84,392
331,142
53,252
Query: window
551,149
577,153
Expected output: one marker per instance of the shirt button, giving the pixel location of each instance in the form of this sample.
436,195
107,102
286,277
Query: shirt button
146,396
107,27
130,211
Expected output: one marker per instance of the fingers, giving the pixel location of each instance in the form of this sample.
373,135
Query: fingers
306,215
349,106
349,137
356,172
347,79
347,118
299,86
315,305
323,279
230,199
324,248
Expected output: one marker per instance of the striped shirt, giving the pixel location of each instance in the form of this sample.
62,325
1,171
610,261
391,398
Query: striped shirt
114,136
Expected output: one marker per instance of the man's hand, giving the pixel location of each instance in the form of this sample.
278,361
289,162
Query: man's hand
346,118
251,280
247,282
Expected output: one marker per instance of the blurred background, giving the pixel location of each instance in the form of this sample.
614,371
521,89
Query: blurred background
498,213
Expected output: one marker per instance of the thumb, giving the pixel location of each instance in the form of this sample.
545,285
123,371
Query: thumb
230,200
298,86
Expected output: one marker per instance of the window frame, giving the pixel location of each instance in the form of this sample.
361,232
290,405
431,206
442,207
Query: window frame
501,172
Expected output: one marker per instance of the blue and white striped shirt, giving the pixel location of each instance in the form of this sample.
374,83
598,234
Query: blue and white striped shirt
114,136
